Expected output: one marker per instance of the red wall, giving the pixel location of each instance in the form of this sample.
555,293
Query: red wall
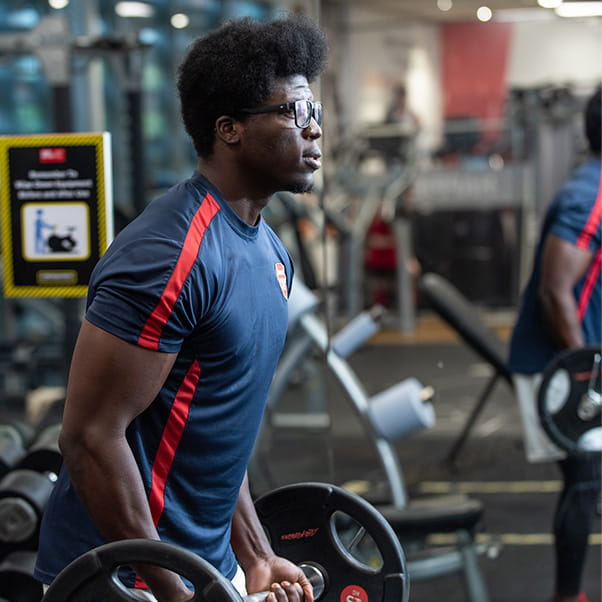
474,62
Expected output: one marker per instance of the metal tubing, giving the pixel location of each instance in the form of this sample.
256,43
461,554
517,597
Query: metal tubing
472,418
475,586
359,401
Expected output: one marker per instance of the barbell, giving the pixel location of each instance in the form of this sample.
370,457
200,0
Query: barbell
93,576
569,400
343,544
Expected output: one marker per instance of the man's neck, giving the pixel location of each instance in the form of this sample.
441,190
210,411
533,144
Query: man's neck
243,204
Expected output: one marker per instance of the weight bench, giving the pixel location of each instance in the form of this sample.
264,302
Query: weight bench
456,515
463,317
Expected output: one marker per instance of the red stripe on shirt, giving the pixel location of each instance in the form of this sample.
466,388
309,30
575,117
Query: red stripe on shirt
590,282
172,434
151,333
593,221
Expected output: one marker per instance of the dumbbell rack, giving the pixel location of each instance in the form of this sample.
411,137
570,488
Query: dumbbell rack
28,471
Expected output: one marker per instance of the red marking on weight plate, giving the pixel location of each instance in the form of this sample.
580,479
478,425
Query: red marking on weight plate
52,155
300,534
579,376
354,593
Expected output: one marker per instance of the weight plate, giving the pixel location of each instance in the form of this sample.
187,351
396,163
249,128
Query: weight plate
325,525
569,400
93,576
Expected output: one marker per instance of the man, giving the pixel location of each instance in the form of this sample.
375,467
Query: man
185,321
561,309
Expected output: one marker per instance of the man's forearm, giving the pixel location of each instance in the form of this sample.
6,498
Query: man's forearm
248,539
563,265
562,316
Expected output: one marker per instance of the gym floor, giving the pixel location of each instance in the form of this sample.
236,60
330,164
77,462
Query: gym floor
518,497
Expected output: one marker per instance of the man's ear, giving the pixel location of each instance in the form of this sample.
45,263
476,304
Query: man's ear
228,129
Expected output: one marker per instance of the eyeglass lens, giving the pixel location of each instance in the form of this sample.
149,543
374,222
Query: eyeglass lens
304,109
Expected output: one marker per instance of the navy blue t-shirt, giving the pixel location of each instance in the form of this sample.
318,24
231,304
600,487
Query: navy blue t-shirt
187,276
575,216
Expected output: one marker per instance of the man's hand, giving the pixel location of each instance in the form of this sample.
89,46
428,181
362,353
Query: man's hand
285,581
165,585
264,570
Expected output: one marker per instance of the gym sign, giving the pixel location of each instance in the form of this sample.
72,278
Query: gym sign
55,210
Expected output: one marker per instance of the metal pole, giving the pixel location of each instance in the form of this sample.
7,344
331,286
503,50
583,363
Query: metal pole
61,94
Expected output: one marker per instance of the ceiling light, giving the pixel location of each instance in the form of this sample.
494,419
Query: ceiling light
179,21
134,9
549,3
149,36
58,4
24,18
445,5
484,13
515,15
579,9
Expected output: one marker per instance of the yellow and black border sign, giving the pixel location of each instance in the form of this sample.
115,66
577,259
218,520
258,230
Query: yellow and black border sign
56,212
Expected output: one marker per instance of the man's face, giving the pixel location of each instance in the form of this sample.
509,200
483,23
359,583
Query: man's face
275,153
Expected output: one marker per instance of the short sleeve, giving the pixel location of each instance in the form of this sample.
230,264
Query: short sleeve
139,296
577,220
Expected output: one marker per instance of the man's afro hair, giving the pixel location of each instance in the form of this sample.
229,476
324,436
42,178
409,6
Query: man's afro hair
236,66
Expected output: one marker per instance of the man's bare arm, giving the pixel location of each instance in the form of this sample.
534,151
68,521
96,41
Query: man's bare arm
563,265
110,383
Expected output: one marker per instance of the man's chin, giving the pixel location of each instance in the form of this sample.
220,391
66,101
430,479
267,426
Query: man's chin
301,187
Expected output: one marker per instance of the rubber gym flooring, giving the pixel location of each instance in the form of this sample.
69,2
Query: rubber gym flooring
518,497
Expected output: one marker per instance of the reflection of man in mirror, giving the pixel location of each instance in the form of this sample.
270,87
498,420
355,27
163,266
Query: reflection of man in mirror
40,224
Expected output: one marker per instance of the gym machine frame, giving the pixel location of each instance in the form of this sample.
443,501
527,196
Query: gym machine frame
312,333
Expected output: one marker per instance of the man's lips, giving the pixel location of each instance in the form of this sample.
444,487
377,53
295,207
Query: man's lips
313,160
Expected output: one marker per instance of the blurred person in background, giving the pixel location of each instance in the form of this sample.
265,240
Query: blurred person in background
561,309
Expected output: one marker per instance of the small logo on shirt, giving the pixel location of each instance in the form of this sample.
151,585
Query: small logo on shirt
281,277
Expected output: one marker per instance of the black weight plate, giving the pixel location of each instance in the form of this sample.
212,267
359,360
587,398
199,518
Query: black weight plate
300,522
565,381
92,576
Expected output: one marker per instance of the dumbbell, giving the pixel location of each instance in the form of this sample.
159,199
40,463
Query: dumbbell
23,498
570,402
44,455
16,578
15,438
